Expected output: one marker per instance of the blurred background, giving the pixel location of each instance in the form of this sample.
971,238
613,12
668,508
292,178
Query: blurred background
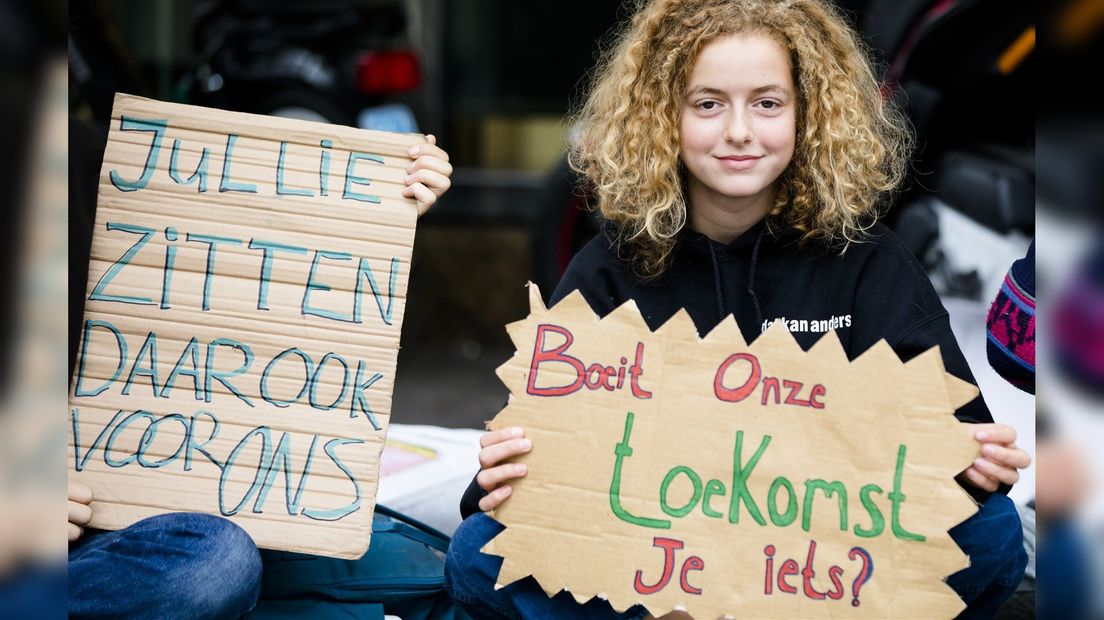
493,79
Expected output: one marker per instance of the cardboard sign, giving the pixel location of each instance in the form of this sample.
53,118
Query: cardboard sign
245,296
722,479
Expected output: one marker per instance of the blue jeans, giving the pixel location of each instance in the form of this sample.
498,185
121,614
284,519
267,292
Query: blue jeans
992,538
178,565
470,579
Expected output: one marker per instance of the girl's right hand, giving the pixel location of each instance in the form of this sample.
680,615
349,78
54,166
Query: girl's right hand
495,447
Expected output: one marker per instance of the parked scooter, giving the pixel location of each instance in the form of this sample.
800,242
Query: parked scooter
337,61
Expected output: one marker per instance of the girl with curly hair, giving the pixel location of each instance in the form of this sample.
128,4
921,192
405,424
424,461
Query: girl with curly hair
739,150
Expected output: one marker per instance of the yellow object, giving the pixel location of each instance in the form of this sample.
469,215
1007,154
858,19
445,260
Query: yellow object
1015,54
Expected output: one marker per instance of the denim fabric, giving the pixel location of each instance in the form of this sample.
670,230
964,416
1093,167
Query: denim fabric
992,538
470,580
178,565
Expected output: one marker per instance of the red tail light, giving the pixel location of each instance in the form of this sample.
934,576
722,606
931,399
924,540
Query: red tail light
388,72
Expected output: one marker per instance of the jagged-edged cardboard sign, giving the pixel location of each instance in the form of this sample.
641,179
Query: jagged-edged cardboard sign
728,480
246,291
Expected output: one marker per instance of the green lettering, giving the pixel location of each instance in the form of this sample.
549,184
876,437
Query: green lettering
740,474
877,522
830,488
623,451
713,487
695,480
897,498
782,519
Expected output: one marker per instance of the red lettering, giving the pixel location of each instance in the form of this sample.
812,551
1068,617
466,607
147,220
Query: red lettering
595,377
789,567
556,354
768,383
669,546
635,372
808,573
818,390
768,580
734,395
795,388
692,563
836,593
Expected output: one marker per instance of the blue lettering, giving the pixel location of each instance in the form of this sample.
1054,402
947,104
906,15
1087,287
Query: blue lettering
337,513
270,248
212,242
89,324
157,126
222,375
200,171
225,184
281,189
113,270
351,179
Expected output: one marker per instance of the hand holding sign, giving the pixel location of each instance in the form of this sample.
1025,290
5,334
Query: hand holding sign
1000,459
494,475
428,177
706,475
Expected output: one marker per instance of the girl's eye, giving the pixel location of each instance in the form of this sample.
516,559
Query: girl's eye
708,105
769,105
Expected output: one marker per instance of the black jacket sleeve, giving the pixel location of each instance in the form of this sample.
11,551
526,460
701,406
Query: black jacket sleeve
905,309
469,503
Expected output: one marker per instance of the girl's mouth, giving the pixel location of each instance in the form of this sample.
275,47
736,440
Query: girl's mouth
739,162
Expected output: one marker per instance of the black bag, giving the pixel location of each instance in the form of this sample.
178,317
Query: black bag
402,574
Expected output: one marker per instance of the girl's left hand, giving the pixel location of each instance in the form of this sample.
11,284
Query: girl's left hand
1000,459
427,178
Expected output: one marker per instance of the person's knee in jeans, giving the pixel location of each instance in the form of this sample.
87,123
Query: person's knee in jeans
172,565
470,575
470,578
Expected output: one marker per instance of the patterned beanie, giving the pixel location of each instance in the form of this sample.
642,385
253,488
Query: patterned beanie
1011,325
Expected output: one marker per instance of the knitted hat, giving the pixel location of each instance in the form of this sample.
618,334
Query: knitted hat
1011,325
1078,324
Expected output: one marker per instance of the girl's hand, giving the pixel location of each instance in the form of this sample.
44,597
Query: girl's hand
497,446
80,513
428,177
1000,459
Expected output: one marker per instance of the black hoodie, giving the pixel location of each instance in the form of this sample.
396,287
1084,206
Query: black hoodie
874,290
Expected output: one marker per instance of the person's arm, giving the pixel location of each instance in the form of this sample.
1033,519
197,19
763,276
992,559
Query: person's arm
490,486
911,317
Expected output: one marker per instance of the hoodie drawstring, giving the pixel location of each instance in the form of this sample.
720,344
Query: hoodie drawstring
717,281
751,277
752,268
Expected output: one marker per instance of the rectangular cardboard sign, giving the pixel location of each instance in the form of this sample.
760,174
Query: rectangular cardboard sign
246,290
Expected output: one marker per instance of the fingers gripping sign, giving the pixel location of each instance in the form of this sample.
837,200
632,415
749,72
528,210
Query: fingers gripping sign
495,474
1000,459
428,177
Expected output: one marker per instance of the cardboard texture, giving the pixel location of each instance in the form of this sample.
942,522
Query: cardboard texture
667,470
246,291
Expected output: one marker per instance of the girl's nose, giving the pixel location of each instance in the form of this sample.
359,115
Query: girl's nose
738,130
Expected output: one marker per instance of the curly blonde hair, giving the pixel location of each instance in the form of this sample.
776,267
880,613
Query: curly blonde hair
850,146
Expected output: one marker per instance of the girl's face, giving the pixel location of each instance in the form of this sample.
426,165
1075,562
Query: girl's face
738,123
